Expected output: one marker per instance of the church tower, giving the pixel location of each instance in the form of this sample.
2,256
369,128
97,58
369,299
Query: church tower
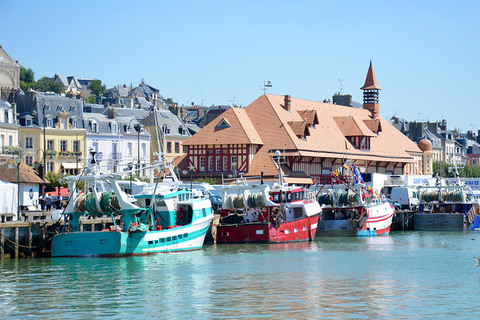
370,93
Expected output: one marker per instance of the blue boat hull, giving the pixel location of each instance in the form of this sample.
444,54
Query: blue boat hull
114,243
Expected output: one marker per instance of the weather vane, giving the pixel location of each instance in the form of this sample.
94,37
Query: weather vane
266,84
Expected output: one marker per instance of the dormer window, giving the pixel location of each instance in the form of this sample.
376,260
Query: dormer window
72,108
75,123
94,125
223,124
49,122
114,127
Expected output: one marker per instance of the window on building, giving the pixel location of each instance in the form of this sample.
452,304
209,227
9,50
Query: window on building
169,147
225,163
10,140
144,149
210,164
28,143
177,147
94,127
50,144
114,128
49,123
233,163
63,145
75,123
51,166
28,122
76,146
202,163
218,163
129,148
29,160
63,123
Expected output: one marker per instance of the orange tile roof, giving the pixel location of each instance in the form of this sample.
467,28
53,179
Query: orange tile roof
239,131
268,115
299,127
27,174
373,124
310,116
267,123
351,128
371,81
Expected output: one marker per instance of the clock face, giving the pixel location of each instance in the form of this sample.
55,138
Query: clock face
2,58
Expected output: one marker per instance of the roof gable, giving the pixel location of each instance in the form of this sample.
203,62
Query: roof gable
350,127
240,130
222,124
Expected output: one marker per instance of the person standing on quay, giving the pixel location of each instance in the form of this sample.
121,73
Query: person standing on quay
49,203
41,202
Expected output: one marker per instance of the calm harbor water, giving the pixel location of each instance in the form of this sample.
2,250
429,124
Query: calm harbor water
414,275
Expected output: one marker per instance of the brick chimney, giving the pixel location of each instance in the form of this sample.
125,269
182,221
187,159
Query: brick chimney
111,113
287,102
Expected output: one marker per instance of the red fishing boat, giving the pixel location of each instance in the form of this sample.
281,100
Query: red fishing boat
260,214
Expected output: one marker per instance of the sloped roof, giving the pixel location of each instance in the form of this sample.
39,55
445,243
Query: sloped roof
310,116
27,174
351,128
268,116
373,124
241,130
371,81
299,127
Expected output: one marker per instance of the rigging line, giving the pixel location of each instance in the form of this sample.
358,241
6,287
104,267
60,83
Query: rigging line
17,244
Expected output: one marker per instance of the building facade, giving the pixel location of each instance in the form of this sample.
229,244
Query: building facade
314,138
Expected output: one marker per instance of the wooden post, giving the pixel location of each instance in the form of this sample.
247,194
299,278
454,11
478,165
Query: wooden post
30,239
2,243
16,242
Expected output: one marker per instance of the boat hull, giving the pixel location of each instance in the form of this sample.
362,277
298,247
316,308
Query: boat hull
378,222
303,229
336,228
439,222
115,243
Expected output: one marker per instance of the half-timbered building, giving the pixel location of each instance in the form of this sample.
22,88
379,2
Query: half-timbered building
315,139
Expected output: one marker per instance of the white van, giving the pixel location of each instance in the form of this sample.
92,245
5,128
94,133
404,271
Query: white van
406,197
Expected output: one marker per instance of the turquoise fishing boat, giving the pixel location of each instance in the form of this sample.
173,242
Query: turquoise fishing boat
163,218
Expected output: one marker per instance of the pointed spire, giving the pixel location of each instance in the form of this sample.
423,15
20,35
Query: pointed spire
371,81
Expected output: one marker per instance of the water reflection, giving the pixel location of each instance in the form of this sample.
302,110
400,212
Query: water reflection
404,275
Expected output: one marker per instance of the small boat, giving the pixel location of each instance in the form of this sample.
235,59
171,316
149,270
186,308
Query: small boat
260,214
351,208
161,219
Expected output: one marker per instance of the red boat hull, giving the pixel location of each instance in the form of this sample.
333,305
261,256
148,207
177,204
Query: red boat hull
303,229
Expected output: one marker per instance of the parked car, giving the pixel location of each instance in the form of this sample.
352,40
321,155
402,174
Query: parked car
396,205
407,197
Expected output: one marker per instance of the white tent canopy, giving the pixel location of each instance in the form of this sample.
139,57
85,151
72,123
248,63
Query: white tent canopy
8,197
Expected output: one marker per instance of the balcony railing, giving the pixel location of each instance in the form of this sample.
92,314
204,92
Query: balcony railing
70,153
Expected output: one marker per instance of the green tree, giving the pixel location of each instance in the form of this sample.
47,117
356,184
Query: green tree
208,180
46,84
54,179
97,88
27,78
168,101
91,99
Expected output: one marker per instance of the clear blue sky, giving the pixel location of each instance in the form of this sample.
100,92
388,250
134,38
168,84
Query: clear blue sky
424,53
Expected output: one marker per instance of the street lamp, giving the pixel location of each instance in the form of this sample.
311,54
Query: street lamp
130,167
138,140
